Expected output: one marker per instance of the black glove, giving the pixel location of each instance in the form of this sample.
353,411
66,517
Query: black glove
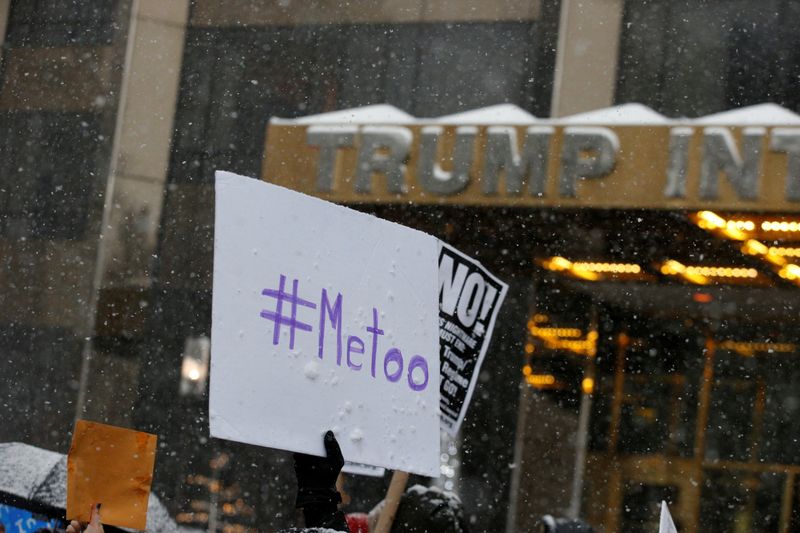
316,486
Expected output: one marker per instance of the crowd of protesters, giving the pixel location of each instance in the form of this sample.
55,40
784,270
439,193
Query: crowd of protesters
420,509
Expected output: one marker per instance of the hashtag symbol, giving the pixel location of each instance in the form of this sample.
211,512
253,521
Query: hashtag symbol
279,318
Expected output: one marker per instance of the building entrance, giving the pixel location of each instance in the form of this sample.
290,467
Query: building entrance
678,387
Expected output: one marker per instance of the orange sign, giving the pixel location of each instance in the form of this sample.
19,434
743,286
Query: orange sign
114,467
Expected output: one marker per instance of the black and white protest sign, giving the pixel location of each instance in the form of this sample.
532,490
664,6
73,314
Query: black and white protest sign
469,299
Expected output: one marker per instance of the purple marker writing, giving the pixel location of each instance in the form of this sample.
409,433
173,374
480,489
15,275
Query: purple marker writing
331,322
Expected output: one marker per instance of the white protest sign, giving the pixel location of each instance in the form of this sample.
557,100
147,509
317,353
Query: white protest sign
469,300
666,525
323,318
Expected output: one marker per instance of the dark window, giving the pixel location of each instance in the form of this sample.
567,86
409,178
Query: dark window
691,58
235,79
48,167
52,23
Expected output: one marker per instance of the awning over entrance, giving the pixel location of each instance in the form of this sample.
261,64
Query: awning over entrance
626,156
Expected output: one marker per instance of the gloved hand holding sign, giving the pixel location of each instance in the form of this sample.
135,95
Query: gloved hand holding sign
316,486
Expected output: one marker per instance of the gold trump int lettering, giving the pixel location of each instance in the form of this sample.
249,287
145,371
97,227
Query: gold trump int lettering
661,166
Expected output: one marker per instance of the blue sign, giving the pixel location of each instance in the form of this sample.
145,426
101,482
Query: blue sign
21,521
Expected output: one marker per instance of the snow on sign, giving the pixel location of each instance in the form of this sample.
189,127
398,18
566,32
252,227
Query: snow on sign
469,299
360,469
323,318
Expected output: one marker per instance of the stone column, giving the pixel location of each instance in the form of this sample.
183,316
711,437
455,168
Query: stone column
143,139
5,8
134,194
586,60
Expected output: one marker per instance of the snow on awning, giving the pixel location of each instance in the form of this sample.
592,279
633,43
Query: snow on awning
625,114
632,114
505,114
755,115
371,114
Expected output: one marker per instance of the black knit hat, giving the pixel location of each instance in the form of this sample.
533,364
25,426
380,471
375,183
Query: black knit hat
429,509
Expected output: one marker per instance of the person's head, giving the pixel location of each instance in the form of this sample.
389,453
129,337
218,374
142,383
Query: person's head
429,509
2,528
550,524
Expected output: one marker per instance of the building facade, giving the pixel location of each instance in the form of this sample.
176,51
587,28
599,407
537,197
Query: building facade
115,114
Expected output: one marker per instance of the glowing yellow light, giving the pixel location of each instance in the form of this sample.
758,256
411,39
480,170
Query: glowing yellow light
790,272
711,219
782,226
529,348
733,233
555,332
671,267
580,347
589,270
694,278
784,252
753,247
613,268
569,339
700,274
587,385
721,272
585,274
741,225
541,380
750,349
733,229
558,263
527,370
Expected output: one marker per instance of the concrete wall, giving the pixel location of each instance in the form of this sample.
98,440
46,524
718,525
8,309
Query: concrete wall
296,12
586,61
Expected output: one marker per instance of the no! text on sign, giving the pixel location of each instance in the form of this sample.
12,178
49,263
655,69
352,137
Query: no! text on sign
323,318
469,300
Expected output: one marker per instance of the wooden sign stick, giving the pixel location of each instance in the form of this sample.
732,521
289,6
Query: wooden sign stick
396,489
340,487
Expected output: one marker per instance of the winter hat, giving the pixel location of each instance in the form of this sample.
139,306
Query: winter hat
424,509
